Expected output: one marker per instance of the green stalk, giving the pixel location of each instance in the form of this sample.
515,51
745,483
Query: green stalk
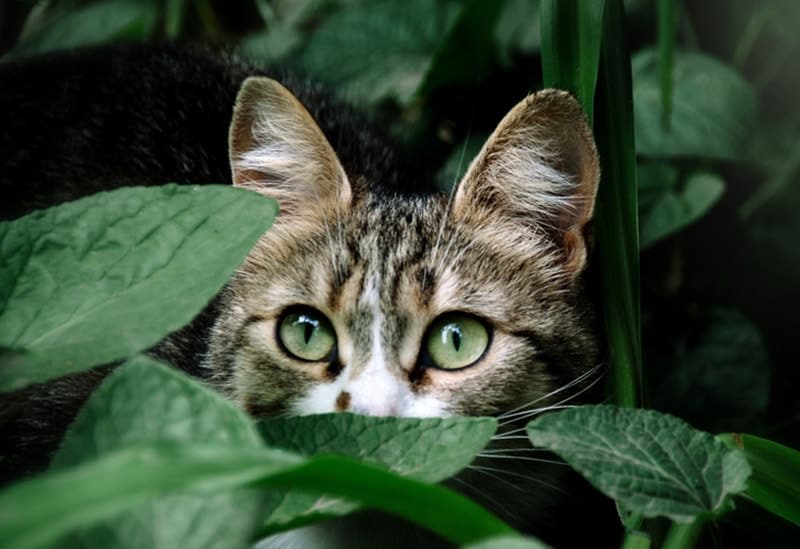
775,482
571,56
684,536
666,56
617,221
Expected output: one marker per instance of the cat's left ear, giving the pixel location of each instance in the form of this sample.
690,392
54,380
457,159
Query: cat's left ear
537,172
277,149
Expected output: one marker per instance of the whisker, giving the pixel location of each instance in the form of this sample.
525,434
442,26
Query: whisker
523,458
564,387
520,475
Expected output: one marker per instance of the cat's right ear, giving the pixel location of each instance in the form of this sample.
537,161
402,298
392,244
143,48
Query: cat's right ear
277,149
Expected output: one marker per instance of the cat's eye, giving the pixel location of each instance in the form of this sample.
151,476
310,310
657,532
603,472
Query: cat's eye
306,333
456,340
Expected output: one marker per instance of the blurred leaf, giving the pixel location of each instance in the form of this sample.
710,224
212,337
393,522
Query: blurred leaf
650,462
667,206
379,50
174,15
107,276
713,108
95,23
145,402
518,28
269,46
666,56
720,379
430,450
507,542
467,51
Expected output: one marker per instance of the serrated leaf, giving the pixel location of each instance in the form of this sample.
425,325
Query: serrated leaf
379,50
144,402
651,462
430,449
713,108
94,23
105,277
668,205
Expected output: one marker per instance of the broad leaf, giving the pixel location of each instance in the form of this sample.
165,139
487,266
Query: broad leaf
144,402
667,205
105,277
94,23
713,108
430,450
647,461
379,50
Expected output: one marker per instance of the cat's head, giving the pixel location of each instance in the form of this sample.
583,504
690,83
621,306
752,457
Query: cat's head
390,304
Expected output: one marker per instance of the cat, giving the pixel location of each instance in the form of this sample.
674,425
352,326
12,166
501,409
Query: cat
370,294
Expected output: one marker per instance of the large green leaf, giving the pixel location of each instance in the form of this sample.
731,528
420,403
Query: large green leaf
713,108
94,23
430,450
102,278
144,402
650,462
378,50
667,205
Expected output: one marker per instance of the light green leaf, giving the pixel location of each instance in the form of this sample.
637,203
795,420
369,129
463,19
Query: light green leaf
144,402
713,108
102,278
430,450
379,50
667,205
94,23
271,45
648,461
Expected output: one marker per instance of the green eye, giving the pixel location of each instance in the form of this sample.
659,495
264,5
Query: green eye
456,340
306,334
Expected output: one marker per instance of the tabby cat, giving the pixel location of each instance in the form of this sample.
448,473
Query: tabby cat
369,294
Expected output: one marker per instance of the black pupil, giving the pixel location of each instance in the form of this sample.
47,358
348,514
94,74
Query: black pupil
309,325
456,331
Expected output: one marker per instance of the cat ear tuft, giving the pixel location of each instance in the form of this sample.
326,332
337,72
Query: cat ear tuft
277,149
538,171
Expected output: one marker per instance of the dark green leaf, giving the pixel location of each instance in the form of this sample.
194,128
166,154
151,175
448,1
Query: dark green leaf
648,461
102,278
518,29
713,108
719,376
94,23
379,50
667,206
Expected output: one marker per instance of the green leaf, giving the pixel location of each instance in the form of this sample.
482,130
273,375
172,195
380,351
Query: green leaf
102,278
429,450
775,482
379,50
668,206
518,29
508,542
647,461
616,219
271,45
144,402
571,34
713,108
94,23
